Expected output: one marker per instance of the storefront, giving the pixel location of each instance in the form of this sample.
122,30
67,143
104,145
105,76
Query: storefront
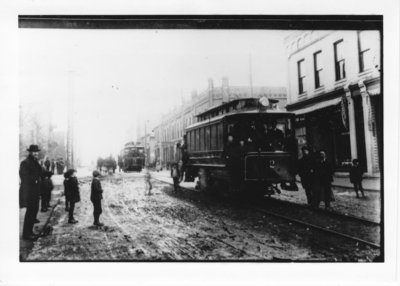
346,124
323,129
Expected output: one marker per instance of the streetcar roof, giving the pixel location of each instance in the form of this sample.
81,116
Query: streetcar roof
275,112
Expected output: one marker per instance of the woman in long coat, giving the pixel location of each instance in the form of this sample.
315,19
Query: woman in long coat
323,179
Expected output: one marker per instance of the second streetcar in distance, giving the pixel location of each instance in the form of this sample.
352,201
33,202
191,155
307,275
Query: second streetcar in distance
133,157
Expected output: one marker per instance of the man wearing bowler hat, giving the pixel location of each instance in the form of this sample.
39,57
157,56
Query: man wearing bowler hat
30,173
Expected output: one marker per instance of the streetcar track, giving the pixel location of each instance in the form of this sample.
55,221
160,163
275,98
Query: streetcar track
372,244
316,227
333,213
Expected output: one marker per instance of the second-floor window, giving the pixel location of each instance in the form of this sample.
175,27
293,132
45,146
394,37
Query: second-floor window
301,75
339,60
365,42
317,69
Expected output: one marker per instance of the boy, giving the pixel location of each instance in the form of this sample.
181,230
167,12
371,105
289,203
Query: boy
96,195
356,177
71,193
175,174
46,188
147,180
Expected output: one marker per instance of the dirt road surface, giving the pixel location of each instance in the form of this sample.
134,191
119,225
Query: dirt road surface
166,226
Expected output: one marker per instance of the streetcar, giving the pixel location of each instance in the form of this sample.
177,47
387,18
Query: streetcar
133,157
262,165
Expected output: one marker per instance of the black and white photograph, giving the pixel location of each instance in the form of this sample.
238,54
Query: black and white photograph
188,139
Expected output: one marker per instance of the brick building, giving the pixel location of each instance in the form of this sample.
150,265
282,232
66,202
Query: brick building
334,89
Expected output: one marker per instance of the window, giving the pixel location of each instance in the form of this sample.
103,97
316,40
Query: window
317,69
339,60
207,138
197,144
365,42
220,134
214,137
201,139
301,74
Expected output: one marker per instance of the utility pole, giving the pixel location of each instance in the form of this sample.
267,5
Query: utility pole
70,127
251,77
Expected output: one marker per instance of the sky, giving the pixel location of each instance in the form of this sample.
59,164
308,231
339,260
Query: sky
118,76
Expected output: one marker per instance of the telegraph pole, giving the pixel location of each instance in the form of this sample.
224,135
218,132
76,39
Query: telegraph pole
251,77
70,127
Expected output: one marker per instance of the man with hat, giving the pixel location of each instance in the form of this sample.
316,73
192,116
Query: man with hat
30,173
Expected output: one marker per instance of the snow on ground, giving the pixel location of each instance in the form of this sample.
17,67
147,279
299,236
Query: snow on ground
169,226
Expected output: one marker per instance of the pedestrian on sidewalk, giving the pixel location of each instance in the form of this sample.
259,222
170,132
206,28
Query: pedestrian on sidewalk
147,181
175,175
30,173
47,164
96,195
305,169
53,166
72,193
323,181
356,174
45,191
66,190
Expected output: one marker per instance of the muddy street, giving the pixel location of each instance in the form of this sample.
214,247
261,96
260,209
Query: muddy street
166,226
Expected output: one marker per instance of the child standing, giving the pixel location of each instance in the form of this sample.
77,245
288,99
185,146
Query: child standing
96,195
356,177
46,188
175,174
71,193
66,190
147,180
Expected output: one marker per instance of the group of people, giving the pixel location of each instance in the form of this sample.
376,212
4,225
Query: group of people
260,136
316,175
36,185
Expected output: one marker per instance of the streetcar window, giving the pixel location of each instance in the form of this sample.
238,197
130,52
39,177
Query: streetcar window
197,144
220,133
202,138
207,138
191,141
213,137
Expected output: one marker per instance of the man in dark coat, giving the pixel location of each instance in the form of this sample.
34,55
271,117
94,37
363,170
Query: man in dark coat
96,195
232,155
274,138
30,173
305,170
356,174
323,180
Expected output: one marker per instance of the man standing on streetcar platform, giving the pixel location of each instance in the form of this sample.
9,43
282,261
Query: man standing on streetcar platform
274,137
30,173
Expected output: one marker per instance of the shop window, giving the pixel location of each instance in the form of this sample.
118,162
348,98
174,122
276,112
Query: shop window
340,68
317,69
301,75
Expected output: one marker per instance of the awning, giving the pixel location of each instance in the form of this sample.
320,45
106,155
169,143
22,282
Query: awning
316,106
